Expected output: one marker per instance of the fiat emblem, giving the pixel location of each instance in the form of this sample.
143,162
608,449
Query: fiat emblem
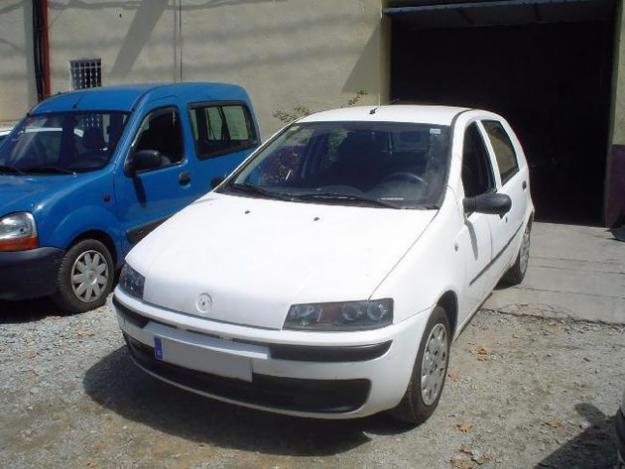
204,303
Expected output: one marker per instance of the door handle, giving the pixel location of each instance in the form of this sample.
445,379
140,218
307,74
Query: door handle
524,185
184,178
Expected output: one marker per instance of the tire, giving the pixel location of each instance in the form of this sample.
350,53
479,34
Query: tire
96,263
515,274
417,406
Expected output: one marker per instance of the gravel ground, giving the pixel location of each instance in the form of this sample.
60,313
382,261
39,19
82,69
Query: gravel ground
522,392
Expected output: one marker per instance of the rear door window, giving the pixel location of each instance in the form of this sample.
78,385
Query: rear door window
219,129
504,150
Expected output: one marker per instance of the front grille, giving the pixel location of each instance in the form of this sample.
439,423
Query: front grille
304,395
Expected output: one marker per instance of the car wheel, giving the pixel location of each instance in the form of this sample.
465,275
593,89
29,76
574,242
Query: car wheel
516,273
428,373
85,277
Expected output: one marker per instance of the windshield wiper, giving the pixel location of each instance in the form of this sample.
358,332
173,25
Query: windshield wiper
339,197
48,169
256,190
9,169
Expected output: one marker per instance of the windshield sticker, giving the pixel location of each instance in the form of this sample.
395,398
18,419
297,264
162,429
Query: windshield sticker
435,131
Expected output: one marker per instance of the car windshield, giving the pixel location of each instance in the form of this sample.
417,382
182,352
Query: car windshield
397,165
62,142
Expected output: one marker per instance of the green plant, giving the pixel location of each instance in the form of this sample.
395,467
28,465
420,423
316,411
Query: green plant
299,111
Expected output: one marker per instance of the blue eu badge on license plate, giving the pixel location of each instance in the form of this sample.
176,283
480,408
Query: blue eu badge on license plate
158,348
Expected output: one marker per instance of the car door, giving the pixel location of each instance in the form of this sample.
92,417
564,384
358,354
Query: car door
224,134
477,178
147,198
510,181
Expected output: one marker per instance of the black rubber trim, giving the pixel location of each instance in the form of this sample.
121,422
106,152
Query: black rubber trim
490,264
303,395
619,421
136,234
129,315
29,274
328,354
279,351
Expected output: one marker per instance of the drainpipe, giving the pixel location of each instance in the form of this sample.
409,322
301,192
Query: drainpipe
41,48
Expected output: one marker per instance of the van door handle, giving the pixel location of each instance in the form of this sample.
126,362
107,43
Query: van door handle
184,178
524,185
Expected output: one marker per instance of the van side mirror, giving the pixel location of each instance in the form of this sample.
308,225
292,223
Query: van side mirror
216,181
489,203
144,160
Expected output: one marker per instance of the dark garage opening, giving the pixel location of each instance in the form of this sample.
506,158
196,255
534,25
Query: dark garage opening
546,67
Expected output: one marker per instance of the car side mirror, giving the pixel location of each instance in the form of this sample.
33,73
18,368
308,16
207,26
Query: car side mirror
144,160
490,203
216,181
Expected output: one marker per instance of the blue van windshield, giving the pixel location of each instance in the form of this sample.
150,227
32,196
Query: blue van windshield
61,143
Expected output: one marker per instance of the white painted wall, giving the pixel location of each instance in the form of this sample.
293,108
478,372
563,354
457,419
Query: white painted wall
316,53
17,83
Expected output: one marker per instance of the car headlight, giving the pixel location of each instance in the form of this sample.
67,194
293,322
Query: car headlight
131,281
18,232
342,316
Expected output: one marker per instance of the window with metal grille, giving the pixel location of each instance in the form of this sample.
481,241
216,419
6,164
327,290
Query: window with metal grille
85,73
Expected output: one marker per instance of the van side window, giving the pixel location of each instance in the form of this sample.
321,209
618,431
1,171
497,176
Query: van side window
504,150
220,129
477,171
161,131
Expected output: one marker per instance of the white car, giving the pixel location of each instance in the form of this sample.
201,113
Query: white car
327,276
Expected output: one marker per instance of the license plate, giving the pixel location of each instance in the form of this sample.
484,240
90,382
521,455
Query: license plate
203,359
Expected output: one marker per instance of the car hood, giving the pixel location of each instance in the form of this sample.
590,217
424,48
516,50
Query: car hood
256,257
24,193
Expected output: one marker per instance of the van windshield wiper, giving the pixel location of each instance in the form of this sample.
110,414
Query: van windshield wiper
48,169
10,169
339,197
256,190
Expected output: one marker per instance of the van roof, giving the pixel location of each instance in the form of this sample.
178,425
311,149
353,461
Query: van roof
126,97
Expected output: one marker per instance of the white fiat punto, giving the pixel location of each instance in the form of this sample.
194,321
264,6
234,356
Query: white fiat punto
327,276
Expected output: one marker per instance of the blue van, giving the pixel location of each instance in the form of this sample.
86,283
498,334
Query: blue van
87,174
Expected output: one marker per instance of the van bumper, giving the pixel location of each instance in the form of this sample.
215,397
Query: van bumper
29,274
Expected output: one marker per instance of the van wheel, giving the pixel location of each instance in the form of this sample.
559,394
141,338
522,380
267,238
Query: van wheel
428,373
85,277
516,273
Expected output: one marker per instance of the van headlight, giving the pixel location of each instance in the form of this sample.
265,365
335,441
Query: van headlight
131,281
341,316
18,232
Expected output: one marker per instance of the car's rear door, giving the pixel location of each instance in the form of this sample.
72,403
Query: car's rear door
223,135
512,181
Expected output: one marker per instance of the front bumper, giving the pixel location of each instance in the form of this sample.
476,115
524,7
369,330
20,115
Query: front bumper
620,435
29,274
352,375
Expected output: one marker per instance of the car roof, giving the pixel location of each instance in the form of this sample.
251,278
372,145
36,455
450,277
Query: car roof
418,114
127,97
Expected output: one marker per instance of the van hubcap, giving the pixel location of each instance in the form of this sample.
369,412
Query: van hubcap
434,364
90,274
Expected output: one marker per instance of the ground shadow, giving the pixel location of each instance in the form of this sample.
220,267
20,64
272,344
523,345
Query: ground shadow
117,384
593,448
14,312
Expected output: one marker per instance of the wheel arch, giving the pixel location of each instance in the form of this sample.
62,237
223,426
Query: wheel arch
449,302
101,236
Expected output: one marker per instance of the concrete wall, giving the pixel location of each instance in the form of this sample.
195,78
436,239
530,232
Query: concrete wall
17,83
286,53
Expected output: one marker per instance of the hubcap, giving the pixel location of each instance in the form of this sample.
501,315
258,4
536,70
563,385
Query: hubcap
434,364
524,255
90,274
